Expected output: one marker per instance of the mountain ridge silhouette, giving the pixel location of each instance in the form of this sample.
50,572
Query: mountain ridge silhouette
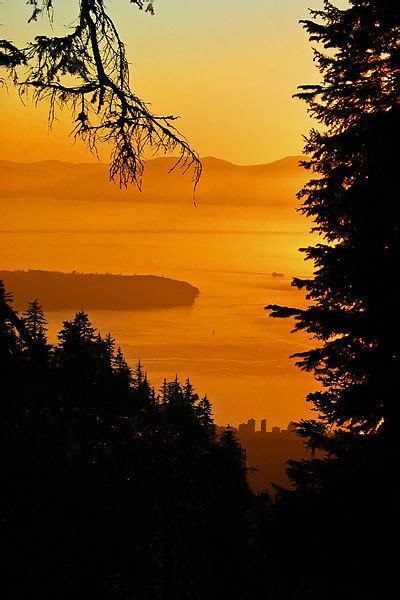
222,182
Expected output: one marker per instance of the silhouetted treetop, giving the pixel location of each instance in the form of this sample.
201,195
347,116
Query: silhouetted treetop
87,71
8,315
353,201
352,314
360,61
98,471
77,332
35,322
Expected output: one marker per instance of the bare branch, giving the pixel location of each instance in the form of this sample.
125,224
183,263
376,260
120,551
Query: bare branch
87,71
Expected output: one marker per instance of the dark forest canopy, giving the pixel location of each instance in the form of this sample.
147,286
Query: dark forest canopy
110,488
97,291
87,71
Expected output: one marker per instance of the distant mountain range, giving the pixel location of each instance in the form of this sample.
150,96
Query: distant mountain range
80,291
222,182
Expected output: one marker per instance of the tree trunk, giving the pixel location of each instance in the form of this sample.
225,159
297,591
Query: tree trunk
8,313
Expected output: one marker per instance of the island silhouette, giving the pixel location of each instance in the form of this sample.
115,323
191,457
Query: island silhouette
58,291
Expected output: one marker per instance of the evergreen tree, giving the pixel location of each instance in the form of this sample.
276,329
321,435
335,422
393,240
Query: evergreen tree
37,356
108,394
10,319
181,414
205,416
120,390
77,334
234,454
35,322
163,392
175,393
11,377
8,338
77,360
139,375
189,394
144,395
353,201
121,367
107,350
122,371
354,299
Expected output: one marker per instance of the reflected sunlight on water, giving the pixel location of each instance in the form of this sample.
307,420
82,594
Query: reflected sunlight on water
225,343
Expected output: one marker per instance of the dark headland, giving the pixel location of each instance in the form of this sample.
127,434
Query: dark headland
59,291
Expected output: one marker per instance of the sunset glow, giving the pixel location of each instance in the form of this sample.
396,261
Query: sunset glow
229,70
199,318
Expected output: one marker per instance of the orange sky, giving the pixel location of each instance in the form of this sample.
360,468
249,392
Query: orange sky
228,68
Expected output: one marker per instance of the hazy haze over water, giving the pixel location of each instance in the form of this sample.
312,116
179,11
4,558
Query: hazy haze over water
225,343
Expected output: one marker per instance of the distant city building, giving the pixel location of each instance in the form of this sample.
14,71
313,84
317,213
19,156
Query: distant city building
243,428
249,428
251,425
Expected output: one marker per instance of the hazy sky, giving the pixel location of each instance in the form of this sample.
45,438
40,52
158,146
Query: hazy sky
228,68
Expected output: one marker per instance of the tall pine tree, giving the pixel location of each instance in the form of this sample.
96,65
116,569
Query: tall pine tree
353,201
35,322
354,301
8,339
77,360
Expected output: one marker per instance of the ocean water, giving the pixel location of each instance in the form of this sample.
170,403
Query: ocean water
225,343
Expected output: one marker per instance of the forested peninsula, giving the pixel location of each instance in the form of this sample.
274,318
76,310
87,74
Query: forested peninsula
59,291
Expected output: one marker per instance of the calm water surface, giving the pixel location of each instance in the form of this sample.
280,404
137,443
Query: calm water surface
225,343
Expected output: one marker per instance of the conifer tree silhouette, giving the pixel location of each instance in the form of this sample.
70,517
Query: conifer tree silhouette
35,322
353,202
204,414
95,470
9,316
353,296
8,340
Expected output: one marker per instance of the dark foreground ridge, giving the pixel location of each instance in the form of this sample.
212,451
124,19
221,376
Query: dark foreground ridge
97,291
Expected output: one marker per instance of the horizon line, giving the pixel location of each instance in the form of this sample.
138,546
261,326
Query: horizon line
156,158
